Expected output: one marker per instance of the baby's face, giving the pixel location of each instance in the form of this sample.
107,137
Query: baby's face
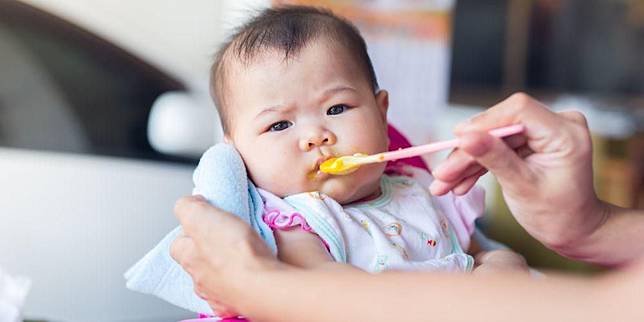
289,116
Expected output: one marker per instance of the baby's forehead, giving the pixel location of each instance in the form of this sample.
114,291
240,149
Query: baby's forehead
236,64
237,71
317,64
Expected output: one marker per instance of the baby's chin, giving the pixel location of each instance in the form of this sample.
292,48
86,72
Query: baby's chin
339,189
340,195
364,183
348,191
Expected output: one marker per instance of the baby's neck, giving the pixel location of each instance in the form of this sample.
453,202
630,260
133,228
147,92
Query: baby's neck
371,196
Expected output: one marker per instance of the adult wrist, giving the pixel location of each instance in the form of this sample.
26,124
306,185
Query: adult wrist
585,243
254,281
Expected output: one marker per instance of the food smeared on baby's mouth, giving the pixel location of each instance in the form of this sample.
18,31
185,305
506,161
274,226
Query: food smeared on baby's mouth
337,166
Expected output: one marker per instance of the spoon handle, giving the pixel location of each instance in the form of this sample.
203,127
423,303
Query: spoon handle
441,145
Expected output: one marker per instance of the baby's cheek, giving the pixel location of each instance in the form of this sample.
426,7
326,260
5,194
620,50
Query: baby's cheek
370,134
281,183
262,175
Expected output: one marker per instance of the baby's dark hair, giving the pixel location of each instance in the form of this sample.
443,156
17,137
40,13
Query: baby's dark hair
286,29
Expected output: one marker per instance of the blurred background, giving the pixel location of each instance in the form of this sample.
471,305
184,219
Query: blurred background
104,112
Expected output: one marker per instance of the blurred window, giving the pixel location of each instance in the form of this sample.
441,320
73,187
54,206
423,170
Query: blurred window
64,89
548,47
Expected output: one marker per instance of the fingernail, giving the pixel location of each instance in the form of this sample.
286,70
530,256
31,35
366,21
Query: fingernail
433,188
439,168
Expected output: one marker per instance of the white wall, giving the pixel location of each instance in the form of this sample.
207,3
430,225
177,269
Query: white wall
73,224
179,37
176,37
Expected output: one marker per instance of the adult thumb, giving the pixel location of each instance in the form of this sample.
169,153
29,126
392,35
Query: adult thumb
194,214
493,154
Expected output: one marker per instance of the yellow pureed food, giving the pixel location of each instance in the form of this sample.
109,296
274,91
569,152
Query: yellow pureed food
341,165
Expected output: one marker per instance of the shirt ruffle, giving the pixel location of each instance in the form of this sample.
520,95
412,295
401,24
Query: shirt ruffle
276,219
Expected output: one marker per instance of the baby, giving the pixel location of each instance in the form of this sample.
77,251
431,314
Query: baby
295,87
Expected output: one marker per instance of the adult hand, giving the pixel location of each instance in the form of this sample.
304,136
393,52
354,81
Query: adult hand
219,251
545,172
499,261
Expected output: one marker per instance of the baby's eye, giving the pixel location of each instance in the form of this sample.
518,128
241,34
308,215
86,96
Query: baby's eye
279,126
336,109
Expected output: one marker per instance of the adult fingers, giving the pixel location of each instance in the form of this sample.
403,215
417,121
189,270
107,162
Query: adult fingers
200,219
574,116
466,184
459,164
183,251
195,214
519,108
493,154
192,212
506,112
439,187
463,185
178,247
453,166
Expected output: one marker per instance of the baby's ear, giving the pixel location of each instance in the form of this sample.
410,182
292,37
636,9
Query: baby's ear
382,100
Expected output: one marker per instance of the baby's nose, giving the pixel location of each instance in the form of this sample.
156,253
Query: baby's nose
317,139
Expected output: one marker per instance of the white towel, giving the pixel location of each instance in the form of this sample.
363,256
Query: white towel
221,178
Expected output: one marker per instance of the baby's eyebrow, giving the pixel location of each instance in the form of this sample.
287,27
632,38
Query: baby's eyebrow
274,109
336,89
280,109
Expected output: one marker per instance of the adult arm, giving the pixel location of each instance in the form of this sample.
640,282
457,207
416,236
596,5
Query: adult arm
349,296
243,274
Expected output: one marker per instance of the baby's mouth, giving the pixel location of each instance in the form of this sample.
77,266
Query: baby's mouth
321,160
315,172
